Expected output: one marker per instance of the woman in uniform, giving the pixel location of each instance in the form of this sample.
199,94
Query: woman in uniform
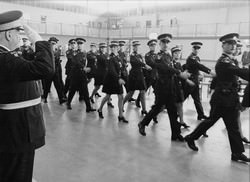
179,83
101,69
136,77
113,81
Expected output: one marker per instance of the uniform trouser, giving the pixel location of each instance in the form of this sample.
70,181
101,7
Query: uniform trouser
172,114
83,92
58,85
229,116
148,84
197,100
16,167
67,84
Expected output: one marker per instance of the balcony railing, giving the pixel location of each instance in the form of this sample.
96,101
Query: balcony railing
190,30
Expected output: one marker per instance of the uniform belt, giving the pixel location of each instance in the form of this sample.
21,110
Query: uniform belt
20,105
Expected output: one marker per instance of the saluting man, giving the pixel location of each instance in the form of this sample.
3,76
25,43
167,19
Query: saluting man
22,128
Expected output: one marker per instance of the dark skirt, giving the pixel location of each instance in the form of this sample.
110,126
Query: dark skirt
136,81
111,86
99,78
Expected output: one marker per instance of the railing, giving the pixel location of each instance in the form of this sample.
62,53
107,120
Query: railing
190,30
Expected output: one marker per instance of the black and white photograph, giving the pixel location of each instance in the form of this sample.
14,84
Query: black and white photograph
124,90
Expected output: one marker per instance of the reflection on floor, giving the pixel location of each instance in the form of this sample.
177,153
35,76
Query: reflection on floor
83,148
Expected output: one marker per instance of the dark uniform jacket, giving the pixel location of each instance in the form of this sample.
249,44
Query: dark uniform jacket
123,60
23,129
193,66
111,82
226,87
68,65
165,85
91,57
136,66
101,65
150,58
245,101
77,73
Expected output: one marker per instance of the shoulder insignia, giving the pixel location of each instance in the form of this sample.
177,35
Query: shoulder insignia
225,60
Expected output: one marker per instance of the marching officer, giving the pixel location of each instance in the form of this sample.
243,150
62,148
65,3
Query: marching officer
225,99
150,75
57,78
136,77
22,128
164,89
70,53
91,57
193,66
78,77
113,82
176,54
124,63
101,69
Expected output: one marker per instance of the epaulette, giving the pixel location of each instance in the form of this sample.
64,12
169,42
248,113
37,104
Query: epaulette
225,60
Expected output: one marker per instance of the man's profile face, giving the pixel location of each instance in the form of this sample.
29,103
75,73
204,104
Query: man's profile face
164,45
14,38
229,47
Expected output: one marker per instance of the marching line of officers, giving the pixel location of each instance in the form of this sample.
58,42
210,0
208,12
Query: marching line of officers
171,81
22,127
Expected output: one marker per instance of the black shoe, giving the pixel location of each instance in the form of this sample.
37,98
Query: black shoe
90,110
155,120
245,140
98,95
141,129
178,138
191,143
110,105
239,157
69,107
92,100
62,101
202,117
144,112
205,135
100,114
131,100
137,103
122,119
184,125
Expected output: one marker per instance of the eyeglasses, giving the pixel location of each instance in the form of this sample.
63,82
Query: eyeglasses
79,42
15,28
73,43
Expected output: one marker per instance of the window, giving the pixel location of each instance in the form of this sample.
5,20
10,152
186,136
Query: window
158,23
148,24
138,24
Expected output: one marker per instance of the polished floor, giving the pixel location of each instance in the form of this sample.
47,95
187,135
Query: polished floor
81,147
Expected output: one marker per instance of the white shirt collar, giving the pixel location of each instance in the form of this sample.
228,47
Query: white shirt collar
7,49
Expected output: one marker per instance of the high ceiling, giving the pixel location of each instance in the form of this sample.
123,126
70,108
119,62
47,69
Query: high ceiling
116,6
98,7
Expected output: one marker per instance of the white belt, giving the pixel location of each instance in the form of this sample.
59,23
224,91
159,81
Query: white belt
20,105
